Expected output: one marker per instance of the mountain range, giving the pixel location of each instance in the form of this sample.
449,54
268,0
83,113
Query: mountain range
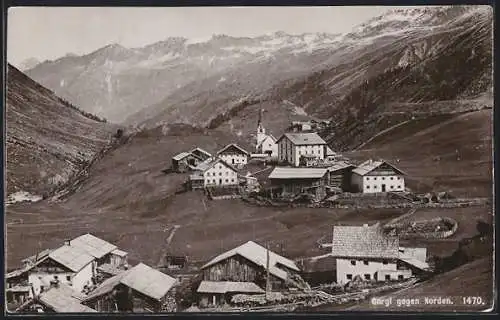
180,80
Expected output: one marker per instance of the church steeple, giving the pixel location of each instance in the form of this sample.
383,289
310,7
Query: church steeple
261,132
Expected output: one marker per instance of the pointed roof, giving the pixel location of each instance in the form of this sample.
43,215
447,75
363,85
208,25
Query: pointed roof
72,257
233,145
93,245
210,162
200,150
258,255
297,173
370,165
148,281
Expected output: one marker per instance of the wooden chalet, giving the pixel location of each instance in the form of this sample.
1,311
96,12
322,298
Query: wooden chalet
295,181
139,289
248,263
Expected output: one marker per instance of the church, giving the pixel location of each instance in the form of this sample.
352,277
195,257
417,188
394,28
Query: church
266,143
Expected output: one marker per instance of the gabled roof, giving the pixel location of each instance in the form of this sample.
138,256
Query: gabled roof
210,162
181,156
93,245
72,257
297,173
38,256
233,145
370,165
267,137
304,138
148,281
64,299
258,255
364,242
228,286
200,150
107,286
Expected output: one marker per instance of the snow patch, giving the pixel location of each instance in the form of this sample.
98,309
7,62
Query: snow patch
22,196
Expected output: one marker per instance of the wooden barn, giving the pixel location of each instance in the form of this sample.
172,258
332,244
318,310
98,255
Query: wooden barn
139,289
201,154
183,161
295,181
248,263
339,176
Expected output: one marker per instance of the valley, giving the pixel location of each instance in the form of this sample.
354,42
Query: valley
421,99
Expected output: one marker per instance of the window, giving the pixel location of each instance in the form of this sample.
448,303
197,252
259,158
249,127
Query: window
367,276
387,277
227,180
68,278
353,262
367,187
375,178
365,262
399,178
220,173
384,262
375,187
400,277
232,180
367,178
392,178
349,276
392,187
383,178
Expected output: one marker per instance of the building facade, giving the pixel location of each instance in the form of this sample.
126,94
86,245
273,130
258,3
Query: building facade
292,146
377,176
367,252
234,155
215,173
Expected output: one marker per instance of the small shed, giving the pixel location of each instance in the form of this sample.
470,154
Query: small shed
217,293
140,289
62,299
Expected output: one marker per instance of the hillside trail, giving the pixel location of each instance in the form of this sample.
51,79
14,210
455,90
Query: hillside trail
381,133
168,240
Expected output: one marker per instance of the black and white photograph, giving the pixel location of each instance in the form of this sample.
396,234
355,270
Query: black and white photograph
249,159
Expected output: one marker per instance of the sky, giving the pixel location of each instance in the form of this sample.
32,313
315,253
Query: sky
52,32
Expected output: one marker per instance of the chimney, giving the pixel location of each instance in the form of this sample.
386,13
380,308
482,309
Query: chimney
67,242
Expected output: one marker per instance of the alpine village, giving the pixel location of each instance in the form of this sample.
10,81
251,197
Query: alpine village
89,274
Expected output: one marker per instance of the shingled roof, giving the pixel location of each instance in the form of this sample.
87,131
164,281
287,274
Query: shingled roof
93,245
234,146
72,257
370,165
364,242
64,299
297,173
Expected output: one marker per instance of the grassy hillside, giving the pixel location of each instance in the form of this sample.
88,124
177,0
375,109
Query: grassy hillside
47,139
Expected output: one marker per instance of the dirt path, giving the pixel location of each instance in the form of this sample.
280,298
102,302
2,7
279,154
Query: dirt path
380,133
164,250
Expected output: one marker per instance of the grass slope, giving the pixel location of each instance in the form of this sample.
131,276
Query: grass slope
47,140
